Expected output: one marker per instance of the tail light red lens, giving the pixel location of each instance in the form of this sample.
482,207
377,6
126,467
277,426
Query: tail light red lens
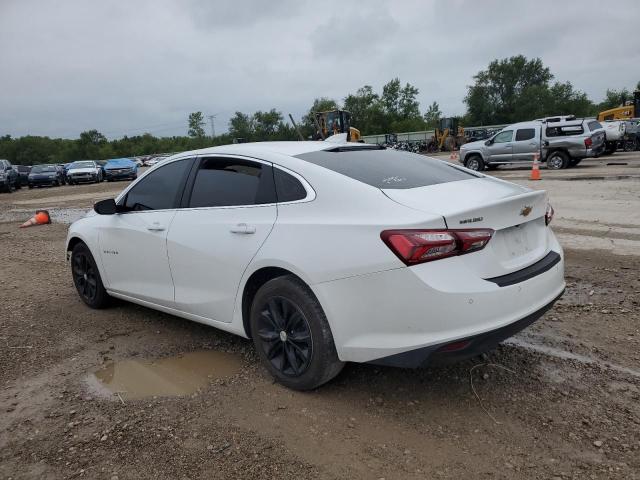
588,142
419,246
548,216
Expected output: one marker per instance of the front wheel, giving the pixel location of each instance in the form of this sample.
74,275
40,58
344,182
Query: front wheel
86,277
557,161
474,162
292,336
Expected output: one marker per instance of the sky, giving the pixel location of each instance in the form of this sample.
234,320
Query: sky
129,67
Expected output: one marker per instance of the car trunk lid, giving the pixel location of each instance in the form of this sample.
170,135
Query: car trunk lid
516,214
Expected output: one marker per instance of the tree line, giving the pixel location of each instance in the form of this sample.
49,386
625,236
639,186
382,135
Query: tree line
509,90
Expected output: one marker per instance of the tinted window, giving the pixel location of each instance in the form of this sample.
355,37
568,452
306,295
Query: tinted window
288,188
503,137
223,182
564,131
525,134
594,125
159,190
388,168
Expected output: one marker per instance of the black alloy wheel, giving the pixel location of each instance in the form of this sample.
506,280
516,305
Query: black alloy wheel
84,276
286,336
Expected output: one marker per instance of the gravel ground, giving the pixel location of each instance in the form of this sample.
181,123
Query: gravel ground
561,400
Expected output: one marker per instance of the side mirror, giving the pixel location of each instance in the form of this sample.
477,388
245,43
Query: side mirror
106,207
488,142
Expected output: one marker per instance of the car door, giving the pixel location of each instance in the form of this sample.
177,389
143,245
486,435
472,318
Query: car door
501,149
133,242
228,214
526,144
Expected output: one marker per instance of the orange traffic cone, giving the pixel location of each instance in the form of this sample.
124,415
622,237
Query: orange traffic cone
40,218
535,169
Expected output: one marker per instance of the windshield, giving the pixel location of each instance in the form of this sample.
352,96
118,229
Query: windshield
43,169
122,162
388,169
84,164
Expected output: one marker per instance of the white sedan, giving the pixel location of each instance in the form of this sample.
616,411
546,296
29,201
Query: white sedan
326,253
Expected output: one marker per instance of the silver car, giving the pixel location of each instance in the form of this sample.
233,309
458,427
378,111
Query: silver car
561,142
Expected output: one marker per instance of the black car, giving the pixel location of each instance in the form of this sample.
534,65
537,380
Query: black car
9,178
42,175
23,174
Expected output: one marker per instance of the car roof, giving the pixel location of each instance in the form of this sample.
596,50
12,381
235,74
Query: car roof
292,148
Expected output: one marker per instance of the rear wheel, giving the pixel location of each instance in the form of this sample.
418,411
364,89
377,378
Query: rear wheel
557,160
86,277
474,162
292,336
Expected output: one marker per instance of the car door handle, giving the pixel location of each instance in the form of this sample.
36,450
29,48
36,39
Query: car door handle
155,227
243,228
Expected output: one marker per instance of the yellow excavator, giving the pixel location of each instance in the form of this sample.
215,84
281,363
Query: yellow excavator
448,136
631,109
334,122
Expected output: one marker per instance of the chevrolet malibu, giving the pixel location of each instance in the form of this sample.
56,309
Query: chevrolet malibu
326,253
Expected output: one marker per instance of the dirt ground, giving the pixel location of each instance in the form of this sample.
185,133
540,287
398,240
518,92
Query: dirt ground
559,401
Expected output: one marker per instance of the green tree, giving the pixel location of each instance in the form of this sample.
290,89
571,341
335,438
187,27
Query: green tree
367,113
516,89
196,125
433,115
241,126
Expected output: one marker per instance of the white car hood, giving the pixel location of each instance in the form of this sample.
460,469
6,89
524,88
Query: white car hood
83,170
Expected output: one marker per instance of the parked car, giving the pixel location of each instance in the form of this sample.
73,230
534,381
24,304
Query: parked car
101,164
325,253
620,134
564,144
45,175
120,169
9,177
23,174
84,171
475,134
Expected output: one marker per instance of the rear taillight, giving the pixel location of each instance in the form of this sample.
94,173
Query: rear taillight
548,216
419,246
588,142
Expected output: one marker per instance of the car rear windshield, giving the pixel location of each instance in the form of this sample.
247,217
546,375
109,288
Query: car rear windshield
564,130
388,169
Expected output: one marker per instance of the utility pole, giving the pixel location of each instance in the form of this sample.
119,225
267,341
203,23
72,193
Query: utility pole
213,127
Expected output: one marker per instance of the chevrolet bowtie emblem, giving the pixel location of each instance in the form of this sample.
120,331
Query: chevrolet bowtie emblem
526,210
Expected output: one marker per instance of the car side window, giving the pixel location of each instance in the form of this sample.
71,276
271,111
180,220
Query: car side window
594,125
288,188
525,134
160,189
227,182
504,137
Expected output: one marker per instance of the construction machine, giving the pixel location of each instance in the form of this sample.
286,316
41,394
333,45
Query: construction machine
334,122
448,136
631,109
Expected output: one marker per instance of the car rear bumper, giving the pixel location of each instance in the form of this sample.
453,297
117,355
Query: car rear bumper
461,348
42,181
420,309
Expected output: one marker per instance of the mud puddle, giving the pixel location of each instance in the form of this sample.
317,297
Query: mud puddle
171,376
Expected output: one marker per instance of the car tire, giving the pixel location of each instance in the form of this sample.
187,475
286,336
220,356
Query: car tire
557,160
86,277
292,336
474,162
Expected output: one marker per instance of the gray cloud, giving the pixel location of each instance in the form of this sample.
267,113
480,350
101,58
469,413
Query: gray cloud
130,67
